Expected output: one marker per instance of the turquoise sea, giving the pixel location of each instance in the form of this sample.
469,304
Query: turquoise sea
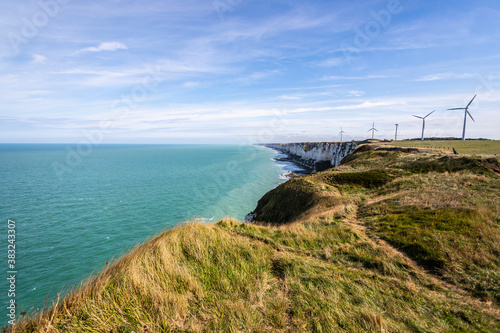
75,209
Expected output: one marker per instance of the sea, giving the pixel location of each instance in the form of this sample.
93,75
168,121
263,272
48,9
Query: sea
73,208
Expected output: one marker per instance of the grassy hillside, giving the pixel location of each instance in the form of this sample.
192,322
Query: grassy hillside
394,240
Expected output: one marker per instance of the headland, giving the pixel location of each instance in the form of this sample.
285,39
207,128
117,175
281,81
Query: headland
395,239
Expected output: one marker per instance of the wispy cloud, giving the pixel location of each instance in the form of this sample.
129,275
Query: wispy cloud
332,62
192,84
309,87
356,93
220,76
367,77
367,105
38,59
162,69
105,46
256,76
445,76
290,97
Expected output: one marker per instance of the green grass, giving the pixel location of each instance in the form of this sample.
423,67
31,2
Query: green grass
291,200
448,223
442,210
394,240
472,147
367,179
319,276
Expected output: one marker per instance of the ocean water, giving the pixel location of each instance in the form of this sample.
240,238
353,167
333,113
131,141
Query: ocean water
76,209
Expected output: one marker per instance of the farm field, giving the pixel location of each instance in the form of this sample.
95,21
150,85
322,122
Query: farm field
472,147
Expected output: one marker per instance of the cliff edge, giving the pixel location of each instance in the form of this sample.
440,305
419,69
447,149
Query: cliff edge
393,240
316,156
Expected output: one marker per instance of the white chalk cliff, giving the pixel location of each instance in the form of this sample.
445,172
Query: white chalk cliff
317,156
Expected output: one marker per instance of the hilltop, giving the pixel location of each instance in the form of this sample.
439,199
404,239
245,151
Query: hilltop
394,240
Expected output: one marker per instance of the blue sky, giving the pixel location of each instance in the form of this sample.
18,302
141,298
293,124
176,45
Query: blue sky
246,71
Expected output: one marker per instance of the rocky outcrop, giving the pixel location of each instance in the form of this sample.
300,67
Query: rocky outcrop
316,156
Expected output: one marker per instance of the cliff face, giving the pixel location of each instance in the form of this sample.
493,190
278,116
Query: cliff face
317,156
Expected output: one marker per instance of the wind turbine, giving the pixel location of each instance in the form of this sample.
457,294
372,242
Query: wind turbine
396,135
423,122
341,132
373,129
465,115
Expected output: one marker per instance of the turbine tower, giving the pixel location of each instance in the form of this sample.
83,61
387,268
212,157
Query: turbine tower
396,135
465,115
373,129
341,132
423,122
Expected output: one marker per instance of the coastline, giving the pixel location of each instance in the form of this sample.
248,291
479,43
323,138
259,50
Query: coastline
308,158
291,168
315,156
291,165
308,229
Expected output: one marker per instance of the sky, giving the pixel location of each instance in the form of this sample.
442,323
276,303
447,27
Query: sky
246,71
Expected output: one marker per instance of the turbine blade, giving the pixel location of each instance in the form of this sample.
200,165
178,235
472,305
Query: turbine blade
430,114
470,116
376,129
457,109
418,117
471,101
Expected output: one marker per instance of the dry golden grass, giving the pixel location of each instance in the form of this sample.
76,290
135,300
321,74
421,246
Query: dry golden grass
323,276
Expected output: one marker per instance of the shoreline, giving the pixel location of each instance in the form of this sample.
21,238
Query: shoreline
309,158
315,156
304,169
300,170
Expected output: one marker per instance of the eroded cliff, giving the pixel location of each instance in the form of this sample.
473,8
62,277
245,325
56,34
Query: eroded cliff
316,156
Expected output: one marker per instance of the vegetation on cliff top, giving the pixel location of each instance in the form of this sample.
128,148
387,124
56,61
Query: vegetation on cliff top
393,240
477,147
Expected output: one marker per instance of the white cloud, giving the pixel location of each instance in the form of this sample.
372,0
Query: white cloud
105,46
445,76
38,59
355,93
256,76
332,62
310,87
367,105
192,84
367,77
162,70
290,97
233,60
